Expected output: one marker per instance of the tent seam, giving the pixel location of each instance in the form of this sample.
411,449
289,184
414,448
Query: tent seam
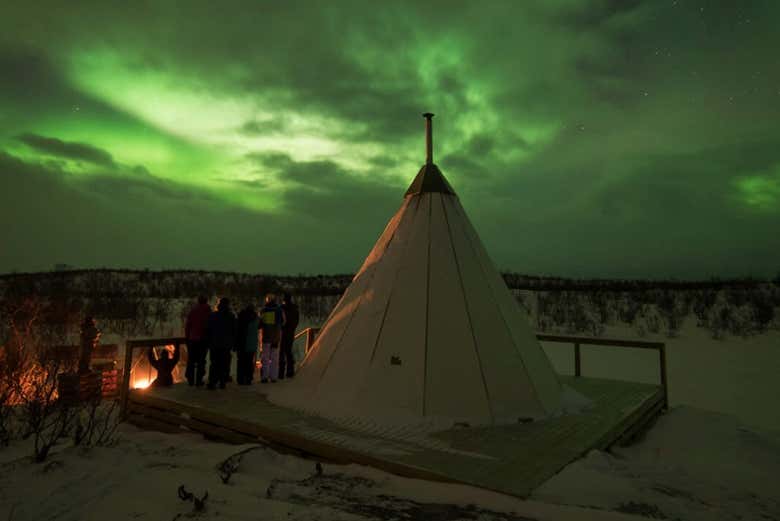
468,312
427,304
503,318
392,290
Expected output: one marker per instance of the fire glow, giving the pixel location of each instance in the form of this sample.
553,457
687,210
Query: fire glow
142,383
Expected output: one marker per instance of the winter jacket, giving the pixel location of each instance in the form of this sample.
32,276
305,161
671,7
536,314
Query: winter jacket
291,317
246,327
251,342
221,329
197,319
271,318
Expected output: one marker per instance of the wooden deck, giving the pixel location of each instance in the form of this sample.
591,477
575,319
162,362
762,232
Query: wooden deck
513,459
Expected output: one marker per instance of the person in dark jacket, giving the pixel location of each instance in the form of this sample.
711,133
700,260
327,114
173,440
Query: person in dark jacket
195,333
221,338
271,320
164,365
90,335
247,326
291,317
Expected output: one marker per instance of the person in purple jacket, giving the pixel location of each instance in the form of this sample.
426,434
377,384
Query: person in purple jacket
271,320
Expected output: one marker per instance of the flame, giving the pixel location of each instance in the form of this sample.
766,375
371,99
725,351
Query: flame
142,383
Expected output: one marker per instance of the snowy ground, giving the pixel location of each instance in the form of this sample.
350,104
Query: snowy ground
728,473
714,456
139,478
736,376
693,465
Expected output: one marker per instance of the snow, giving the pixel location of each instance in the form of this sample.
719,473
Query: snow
736,376
139,478
693,465
714,456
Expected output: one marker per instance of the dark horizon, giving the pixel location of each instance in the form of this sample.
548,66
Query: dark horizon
579,281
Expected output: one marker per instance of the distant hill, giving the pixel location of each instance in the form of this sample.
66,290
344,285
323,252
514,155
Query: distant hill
190,283
141,301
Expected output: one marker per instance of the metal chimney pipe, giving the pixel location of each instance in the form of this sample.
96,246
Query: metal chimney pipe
428,138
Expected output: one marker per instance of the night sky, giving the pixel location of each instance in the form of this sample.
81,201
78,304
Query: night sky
585,138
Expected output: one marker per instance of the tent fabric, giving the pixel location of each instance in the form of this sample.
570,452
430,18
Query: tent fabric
428,329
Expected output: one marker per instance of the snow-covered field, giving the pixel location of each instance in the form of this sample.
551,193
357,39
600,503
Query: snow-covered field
694,465
714,456
736,376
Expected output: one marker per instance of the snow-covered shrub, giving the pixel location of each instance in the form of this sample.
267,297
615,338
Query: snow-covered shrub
702,303
96,423
673,308
525,305
647,320
544,323
763,308
32,368
628,308
743,321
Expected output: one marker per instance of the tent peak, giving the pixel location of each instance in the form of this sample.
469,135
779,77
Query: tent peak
429,178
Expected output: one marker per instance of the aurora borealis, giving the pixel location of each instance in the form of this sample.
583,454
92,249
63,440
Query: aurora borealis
584,138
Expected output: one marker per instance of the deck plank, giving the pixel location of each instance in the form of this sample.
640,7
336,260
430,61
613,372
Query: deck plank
513,459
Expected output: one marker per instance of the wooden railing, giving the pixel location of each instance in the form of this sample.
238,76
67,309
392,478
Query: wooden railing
130,346
311,334
594,341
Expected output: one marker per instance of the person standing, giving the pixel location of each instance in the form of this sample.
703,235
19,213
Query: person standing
195,335
221,337
246,344
89,337
291,317
271,319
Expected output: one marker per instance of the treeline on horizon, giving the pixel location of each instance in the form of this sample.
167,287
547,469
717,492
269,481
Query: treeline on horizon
135,302
181,283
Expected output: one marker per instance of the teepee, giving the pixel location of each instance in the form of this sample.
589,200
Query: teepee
428,328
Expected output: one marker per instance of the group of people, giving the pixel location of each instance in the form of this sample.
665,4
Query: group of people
218,334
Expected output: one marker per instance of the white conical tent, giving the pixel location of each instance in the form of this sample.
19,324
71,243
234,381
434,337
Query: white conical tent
428,328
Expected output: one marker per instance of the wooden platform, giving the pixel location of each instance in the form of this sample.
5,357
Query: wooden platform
513,459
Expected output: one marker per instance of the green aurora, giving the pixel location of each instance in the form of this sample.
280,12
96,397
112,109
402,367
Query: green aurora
585,138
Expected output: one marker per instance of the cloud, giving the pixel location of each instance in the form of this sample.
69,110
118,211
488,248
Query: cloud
269,125
115,219
26,74
760,190
323,190
611,136
68,150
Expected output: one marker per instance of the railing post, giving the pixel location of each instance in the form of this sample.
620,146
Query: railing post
309,339
126,379
662,361
577,363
